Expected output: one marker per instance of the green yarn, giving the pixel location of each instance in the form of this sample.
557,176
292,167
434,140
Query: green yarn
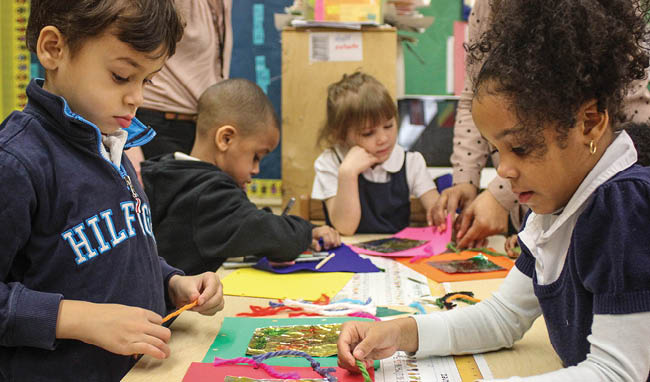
364,372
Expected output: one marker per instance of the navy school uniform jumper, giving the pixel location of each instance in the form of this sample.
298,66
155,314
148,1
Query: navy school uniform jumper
72,226
606,268
385,207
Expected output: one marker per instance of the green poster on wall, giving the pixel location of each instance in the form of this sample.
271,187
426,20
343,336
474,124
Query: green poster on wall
430,76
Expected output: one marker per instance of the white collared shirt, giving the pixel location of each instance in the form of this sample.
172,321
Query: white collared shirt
327,171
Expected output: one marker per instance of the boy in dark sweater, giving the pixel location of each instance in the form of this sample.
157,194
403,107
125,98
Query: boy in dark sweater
82,288
201,214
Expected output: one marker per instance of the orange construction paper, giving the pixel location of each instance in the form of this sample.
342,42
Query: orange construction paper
437,275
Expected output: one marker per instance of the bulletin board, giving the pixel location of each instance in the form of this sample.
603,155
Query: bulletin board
430,77
15,58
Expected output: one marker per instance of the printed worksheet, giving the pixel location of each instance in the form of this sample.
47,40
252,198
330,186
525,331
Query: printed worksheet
398,285
404,368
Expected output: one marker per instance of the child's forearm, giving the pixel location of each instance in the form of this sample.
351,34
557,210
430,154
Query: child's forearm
70,319
345,208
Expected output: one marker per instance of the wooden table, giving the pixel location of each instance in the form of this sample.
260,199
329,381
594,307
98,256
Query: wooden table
192,335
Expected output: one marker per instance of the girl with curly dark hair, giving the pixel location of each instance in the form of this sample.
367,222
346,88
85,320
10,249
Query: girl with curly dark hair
490,211
552,78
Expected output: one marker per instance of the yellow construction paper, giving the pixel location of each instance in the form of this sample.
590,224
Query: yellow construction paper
252,282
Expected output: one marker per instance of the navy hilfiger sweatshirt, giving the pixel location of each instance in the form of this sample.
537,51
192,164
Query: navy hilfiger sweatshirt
70,228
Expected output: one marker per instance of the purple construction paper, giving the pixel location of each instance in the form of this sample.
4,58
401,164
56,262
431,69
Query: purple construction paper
345,260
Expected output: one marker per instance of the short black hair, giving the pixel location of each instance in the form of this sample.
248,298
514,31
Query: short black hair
237,102
145,25
549,57
640,134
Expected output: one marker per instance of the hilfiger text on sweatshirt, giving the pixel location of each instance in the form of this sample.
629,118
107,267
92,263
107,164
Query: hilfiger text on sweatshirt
101,228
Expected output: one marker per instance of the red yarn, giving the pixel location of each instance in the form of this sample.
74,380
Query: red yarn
304,314
257,311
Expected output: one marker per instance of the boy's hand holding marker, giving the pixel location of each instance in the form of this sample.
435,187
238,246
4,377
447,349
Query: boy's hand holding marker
325,237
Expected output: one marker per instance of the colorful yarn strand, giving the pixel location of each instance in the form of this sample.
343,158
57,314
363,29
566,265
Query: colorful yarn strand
256,361
364,371
179,311
220,361
322,371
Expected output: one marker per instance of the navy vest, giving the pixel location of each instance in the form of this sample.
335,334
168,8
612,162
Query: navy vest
385,207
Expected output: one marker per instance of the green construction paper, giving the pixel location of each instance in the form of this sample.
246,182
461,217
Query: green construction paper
387,312
236,332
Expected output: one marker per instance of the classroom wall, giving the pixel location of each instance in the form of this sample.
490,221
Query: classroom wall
257,57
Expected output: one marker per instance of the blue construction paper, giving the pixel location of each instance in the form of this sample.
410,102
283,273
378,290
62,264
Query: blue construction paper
345,260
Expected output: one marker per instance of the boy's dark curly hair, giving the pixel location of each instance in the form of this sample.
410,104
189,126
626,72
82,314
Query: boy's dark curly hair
548,57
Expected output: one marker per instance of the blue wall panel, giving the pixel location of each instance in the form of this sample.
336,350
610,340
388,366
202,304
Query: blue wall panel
257,56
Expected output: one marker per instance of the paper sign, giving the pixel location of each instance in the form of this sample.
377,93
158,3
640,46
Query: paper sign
335,46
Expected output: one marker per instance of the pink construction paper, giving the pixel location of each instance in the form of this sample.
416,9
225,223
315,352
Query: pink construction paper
201,372
437,241
319,10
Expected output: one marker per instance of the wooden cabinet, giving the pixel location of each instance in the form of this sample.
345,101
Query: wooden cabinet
304,92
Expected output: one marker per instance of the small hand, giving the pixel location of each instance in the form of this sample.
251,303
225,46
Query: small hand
450,200
484,217
206,288
368,341
512,247
120,329
330,238
357,161
280,264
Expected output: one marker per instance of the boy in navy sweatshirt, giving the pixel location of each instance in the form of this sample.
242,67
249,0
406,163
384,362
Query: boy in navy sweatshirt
82,288
201,214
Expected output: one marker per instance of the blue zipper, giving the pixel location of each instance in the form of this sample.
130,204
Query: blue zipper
120,170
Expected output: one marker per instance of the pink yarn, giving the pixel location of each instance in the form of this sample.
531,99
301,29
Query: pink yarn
364,315
220,361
